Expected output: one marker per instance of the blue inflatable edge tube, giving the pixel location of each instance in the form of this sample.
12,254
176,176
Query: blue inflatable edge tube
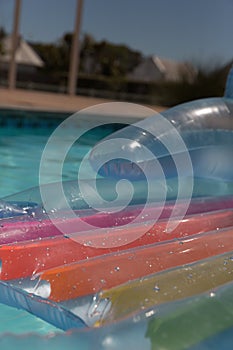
48,311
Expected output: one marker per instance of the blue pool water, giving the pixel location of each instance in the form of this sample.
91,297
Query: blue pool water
23,137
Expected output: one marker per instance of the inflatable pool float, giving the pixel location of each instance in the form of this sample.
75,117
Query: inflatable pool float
206,129
31,257
168,286
178,325
26,226
62,268
151,322
92,275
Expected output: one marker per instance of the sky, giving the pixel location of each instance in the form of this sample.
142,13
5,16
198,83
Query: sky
200,31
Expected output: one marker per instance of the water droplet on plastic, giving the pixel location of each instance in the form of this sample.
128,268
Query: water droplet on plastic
156,288
88,243
149,313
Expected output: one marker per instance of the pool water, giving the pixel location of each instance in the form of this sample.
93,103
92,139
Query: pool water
17,321
21,150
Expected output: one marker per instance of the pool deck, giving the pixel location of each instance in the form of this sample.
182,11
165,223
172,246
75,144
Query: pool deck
27,99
